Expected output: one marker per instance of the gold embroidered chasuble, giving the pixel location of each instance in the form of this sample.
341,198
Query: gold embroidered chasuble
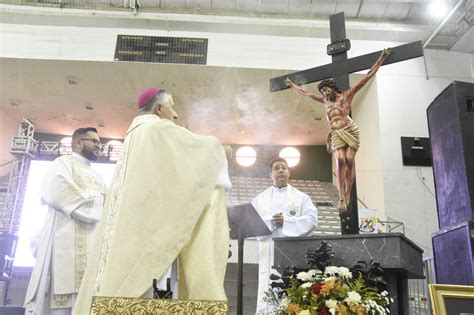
163,204
70,186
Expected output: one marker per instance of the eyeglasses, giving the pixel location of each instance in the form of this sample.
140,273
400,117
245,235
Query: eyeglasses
95,141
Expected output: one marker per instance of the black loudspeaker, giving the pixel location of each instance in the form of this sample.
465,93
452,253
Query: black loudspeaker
451,129
454,254
416,151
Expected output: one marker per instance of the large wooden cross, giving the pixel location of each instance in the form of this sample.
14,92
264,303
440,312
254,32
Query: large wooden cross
339,69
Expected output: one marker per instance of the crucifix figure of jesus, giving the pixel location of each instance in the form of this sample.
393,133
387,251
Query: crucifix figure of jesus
339,70
343,137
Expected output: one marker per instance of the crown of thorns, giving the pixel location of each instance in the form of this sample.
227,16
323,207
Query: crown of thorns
330,83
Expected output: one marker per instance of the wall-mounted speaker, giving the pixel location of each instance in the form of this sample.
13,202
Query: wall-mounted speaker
416,151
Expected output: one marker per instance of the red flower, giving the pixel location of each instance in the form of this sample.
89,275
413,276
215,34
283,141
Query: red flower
323,311
316,288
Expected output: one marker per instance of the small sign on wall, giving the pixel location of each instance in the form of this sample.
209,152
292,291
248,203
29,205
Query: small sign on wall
367,221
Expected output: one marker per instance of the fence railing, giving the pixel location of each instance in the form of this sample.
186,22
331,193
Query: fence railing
392,225
418,294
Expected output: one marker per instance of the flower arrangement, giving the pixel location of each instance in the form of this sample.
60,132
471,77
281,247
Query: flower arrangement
325,290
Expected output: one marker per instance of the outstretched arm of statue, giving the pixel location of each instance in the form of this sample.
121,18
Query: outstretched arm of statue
372,71
303,92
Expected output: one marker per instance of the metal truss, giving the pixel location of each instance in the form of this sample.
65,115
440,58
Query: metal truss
49,147
23,147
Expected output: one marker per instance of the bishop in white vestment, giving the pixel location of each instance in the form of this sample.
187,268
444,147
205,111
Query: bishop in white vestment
75,194
287,212
165,204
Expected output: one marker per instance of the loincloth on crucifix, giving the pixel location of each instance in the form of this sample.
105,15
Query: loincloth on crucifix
341,138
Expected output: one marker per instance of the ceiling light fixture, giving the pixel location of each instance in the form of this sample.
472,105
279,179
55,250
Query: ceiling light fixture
438,9
291,155
246,156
